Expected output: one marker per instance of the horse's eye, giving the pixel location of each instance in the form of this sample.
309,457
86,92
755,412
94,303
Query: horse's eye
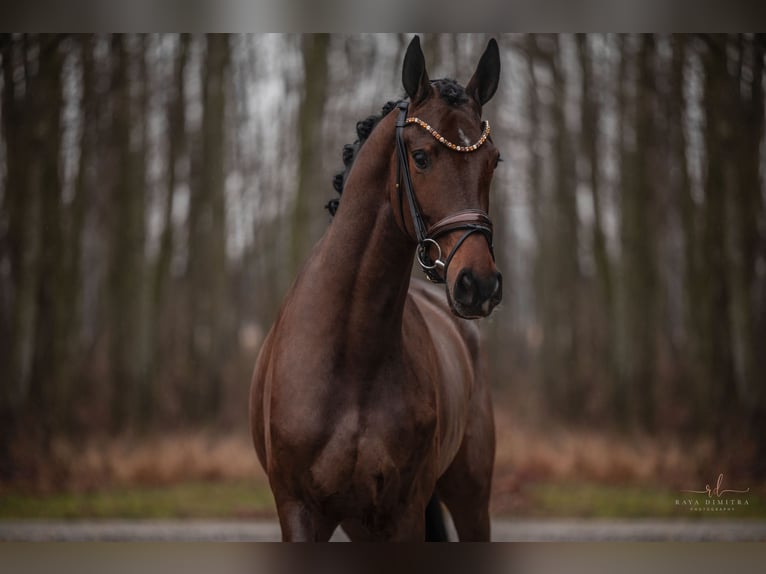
421,159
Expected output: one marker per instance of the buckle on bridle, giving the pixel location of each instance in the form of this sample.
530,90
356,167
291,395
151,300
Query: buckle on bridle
424,257
469,221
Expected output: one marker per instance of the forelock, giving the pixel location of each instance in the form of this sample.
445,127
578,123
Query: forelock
451,92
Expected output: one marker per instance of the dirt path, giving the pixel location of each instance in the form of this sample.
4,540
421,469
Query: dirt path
503,530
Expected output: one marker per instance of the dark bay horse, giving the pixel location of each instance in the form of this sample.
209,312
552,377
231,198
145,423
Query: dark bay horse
368,397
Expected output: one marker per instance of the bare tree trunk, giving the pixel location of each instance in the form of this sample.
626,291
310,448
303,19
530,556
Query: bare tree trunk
314,50
642,237
176,114
432,51
73,286
127,273
119,291
162,333
21,239
689,212
535,164
21,205
715,312
757,417
207,239
561,294
590,140
538,197
45,91
746,203
620,391
7,412
639,274
603,322
146,396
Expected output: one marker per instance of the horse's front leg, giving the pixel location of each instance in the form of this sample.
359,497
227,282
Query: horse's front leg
301,523
410,525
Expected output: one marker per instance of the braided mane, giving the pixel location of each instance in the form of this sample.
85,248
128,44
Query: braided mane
363,130
449,90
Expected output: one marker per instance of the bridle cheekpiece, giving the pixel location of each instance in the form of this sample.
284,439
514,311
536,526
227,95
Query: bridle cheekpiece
470,220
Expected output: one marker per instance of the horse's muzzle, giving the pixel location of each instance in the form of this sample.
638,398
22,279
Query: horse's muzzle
474,296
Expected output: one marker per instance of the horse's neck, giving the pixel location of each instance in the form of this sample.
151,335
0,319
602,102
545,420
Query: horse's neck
366,258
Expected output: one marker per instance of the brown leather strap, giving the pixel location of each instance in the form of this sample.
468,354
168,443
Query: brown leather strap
460,220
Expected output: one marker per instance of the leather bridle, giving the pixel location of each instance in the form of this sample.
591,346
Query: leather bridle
470,220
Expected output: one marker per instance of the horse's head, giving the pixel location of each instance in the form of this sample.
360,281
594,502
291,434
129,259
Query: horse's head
450,160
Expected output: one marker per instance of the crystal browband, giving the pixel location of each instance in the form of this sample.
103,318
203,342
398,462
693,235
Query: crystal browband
441,139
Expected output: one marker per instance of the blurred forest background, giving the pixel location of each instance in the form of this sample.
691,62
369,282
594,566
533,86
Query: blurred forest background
158,193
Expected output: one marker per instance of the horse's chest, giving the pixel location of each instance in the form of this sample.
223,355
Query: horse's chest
364,450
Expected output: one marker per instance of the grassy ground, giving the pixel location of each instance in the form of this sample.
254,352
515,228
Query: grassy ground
185,500
609,501
239,499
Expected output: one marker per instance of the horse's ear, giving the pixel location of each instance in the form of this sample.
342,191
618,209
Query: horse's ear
414,75
484,82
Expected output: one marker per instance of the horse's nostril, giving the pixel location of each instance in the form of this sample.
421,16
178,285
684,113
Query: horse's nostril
489,288
498,285
478,293
465,290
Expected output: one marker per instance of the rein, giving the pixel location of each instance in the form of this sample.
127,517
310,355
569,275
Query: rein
470,220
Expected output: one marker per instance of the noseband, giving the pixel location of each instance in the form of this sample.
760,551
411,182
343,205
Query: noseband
470,220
